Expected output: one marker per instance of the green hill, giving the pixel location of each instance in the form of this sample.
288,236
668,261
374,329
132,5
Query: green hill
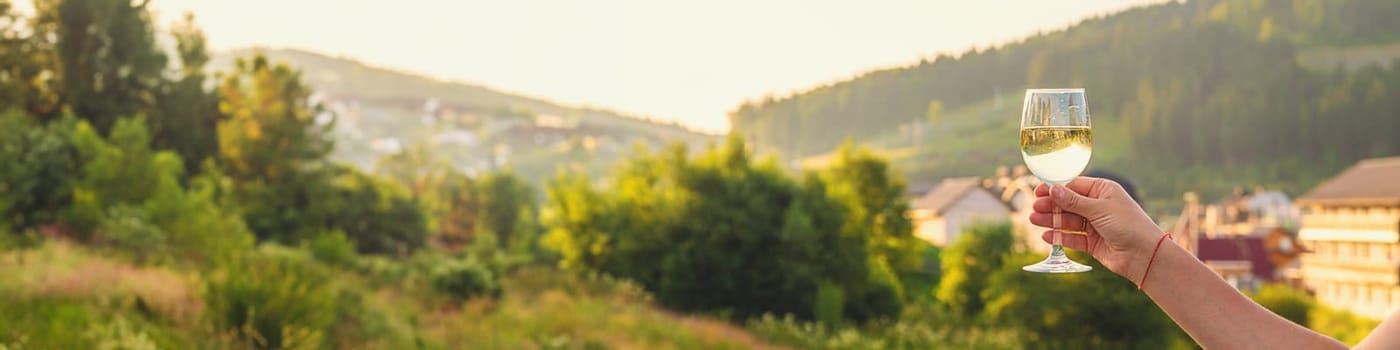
468,125
1198,96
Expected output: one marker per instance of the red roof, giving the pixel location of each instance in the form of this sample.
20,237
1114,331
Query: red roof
1238,248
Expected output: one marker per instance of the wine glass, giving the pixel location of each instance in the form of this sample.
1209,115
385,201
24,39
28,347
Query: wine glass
1056,142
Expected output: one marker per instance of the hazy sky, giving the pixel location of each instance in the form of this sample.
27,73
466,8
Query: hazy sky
690,61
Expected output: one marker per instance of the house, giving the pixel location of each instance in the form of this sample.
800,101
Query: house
1245,252
1351,222
941,214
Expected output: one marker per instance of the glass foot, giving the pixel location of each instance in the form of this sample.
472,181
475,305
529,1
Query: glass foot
1057,263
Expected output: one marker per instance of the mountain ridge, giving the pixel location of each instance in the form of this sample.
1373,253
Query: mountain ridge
312,64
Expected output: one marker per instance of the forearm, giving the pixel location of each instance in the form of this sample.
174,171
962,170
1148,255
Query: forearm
1215,314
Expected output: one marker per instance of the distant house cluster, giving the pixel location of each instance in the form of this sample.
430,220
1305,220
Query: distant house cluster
1247,237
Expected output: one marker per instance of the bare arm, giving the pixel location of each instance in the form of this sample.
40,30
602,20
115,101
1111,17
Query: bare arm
1216,315
1385,336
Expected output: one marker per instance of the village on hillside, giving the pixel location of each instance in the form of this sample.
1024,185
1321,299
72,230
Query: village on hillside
1339,242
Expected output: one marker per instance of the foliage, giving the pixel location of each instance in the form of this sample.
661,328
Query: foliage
1340,324
465,278
27,65
1299,307
897,335
109,64
132,196
508,211
333,248
873,194
1209,87
376,215
35,183
977,253
272,299
1292,304
983,284
272,147
185,119
719,233
454,209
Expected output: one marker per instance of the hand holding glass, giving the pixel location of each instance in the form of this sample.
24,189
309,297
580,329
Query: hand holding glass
1056,142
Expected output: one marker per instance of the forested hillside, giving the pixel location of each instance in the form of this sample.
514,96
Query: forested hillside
1202,95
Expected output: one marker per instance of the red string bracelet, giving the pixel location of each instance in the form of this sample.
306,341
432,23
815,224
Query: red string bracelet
1152,258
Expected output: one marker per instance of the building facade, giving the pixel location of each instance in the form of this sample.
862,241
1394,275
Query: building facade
1351,224
941,215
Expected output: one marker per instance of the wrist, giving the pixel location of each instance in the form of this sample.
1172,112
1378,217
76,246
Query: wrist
1141,248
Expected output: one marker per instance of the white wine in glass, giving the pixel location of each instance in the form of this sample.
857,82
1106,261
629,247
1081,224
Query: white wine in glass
1056,142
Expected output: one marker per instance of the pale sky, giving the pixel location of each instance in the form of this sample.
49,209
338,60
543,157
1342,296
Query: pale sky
690,61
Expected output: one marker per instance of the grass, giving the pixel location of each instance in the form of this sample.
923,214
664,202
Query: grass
66,296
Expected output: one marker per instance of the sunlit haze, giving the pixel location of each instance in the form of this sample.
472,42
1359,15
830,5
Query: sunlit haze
685,61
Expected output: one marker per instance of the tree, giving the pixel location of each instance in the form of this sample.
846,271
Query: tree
187,117
416,168
507,210
109,63
26,61
378,216
967,263
131,196
720,233
454,210
40,160
983,284
273,148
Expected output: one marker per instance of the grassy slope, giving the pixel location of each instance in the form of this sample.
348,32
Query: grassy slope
64,296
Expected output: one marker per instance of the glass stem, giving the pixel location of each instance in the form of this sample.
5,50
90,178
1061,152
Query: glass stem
1057,238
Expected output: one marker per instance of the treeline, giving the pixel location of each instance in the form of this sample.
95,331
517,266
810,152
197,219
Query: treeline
722,233
110,143
101,125
1211,86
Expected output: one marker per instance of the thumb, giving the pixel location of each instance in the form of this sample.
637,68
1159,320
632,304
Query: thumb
1073,202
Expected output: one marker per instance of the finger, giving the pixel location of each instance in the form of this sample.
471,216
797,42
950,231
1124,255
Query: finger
1076,242
1043,205
1082,185
1042,190
1068,221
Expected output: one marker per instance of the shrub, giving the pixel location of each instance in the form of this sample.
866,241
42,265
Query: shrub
272,299
129,230
465,278
830,302
1290,303
333,248
36,179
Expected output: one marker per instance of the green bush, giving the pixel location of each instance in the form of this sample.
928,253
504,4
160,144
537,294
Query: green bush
830,304
39,163
333,248
465,278
720,233
129,230
1340,324
1292,304
273,298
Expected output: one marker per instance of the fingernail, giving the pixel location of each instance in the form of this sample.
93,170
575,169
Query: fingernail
1057,191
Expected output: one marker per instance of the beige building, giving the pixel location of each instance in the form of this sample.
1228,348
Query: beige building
943,213
1351,224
